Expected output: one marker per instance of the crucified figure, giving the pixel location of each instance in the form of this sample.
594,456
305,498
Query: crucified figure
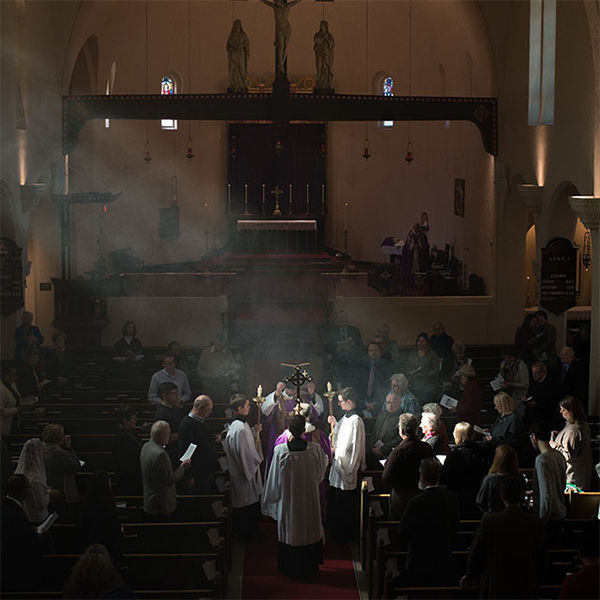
283,31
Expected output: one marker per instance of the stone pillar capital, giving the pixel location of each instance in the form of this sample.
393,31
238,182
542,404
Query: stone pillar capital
587,208
532,195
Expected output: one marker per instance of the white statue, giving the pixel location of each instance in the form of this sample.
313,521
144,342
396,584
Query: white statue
283,30
324,45
238,52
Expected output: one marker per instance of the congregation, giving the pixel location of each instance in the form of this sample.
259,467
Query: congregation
415,420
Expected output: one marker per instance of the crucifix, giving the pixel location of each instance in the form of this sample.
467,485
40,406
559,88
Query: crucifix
298,378
277,192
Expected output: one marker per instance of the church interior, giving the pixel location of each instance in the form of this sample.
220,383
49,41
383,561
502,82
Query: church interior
422,167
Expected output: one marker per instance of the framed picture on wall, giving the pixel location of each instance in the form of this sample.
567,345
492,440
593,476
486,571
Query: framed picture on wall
459,197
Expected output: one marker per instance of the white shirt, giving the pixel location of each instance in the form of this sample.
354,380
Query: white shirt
349,457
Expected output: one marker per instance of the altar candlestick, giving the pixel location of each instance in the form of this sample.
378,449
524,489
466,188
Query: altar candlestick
290,212
323,198
346,219
329,386
263,198
307,199
246,199
228,198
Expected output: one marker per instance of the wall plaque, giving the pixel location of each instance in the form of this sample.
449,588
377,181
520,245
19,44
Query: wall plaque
11,277
559,268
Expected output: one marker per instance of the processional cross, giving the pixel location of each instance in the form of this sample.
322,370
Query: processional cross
298,378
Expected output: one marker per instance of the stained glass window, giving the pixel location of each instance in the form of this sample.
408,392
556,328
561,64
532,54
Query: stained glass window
388,90
168,87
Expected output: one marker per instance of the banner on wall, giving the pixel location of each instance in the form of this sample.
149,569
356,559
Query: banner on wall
559,272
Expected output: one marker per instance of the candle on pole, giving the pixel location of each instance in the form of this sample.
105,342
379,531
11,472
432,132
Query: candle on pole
330,394
346,218
323,198
263,199
246,199
228,198
307,199
290,211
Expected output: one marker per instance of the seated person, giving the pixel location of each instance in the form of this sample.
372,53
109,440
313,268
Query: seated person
375,378
388,345
423,368
129,347
27,336
169,374
59,362
175,350
126,454
384,437
218,369
451,385
30,379
409,402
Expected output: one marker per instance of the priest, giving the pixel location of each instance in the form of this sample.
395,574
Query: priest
244,456
297,469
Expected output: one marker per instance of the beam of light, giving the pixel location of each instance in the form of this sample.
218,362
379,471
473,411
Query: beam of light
541,154
22,156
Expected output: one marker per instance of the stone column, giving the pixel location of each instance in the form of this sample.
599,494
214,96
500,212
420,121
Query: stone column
587,208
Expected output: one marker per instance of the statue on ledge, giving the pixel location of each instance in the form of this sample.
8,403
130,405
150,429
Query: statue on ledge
238,52
283,31
323,47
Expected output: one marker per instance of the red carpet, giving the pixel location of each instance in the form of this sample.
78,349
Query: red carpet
262,580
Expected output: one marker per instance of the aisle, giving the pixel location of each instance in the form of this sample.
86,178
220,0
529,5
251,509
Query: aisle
261,579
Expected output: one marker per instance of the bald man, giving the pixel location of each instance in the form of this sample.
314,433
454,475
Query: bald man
194,429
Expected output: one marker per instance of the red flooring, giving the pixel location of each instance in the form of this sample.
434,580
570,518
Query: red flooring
335,580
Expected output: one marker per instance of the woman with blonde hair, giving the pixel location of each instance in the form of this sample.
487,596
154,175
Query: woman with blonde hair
464,469
508,427
505,464
574,442
31,464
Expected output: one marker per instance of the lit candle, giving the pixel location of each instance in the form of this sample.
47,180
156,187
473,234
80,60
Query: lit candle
290,198
346,219
229,198
263,198
329,386
259,391
245,192
323,198
307,199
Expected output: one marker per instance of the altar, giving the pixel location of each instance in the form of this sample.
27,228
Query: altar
277,236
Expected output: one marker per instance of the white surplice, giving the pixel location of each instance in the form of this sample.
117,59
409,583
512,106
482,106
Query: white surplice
293,488
349,457
244,462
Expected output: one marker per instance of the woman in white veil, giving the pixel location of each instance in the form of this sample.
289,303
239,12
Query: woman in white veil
31,464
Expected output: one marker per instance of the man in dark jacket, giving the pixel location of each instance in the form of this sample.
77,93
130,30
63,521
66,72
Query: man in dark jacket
126,454
429,526
193,429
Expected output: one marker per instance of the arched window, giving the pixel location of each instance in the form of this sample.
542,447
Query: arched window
388,90
168,87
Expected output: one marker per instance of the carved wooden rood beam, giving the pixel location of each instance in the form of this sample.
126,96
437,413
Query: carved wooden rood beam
280,108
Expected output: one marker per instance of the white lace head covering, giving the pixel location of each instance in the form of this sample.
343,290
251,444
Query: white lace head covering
31,461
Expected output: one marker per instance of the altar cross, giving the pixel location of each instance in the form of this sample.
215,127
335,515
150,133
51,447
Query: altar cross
297,378
277,192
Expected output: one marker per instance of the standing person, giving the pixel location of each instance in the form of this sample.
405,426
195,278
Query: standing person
297,470
238,52
9,399
508,427
574,443
158,477
244,456
508,555
170,410
549,482
375,378
505,464
126,454
441,343
464,469
348,459
516,377
27,336
283,31
129,347
429,525
423,369
469,405
573,376
545,394
523,334
543,343
402,467
169,374
61,464
31,464
429,426
323,47
205,460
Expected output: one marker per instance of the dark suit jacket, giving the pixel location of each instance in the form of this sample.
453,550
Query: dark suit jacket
26,381
386,430
574,381
384,369
56,368
429,525
402,467
19,547
205,460
508,555
126,459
